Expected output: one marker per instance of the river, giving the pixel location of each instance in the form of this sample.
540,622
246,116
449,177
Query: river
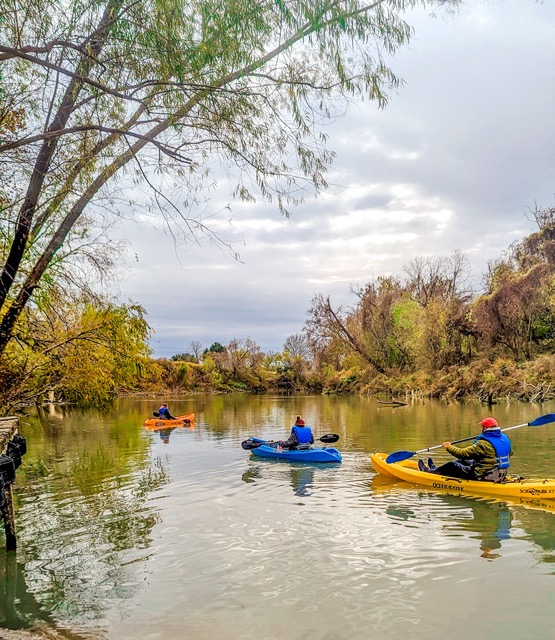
125,533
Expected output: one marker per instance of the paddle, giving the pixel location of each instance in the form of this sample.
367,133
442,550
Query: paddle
254,443
157,415
399,456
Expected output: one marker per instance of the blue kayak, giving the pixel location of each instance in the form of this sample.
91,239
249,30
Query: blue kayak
264,449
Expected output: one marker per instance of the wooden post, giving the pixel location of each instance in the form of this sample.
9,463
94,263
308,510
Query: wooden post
9,427
9,519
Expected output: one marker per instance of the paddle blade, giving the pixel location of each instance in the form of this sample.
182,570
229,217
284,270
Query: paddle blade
156,414
329,437
399,456
249,444
538,422
253,443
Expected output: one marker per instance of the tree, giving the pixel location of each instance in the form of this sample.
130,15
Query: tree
441,278
517,312
215,347
114,92
297,345
242,358
441,327
86,352
196,349
327,327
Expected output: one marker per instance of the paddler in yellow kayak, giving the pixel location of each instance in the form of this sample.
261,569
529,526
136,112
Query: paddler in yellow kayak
487,458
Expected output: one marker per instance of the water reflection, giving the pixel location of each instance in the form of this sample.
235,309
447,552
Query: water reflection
301,476
165,434
491,523
18,607
302,480
488,520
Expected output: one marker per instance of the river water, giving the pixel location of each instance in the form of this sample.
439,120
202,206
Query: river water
125,533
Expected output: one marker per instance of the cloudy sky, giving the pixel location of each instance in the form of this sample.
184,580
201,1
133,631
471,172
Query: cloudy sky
465,148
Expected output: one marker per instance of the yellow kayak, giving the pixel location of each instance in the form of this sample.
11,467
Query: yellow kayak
180,421
514,486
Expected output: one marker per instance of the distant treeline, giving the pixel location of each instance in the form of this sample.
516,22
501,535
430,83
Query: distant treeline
425,333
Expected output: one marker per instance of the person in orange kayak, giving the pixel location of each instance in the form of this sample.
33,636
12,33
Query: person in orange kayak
164,412
487,458
300,434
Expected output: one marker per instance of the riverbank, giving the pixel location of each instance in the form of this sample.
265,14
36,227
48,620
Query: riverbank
488,381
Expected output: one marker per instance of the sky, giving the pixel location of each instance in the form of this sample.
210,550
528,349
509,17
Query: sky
462,153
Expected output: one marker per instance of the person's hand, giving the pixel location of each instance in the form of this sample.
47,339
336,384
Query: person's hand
446,444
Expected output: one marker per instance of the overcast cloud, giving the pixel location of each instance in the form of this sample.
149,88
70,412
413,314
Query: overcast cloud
461,153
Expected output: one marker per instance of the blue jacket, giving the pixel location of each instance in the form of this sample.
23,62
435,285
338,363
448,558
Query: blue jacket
164,413
502,445
304,434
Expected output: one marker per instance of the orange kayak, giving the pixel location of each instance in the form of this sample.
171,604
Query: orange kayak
180,421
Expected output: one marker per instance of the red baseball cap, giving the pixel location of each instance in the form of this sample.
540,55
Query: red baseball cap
488,423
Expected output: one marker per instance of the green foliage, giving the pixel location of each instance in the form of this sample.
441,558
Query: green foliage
86,354
216,347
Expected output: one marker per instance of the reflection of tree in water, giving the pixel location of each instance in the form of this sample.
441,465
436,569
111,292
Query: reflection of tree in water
72,544
18,607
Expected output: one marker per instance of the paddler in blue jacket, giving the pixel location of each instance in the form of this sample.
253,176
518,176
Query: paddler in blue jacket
300,434
487,458
164,412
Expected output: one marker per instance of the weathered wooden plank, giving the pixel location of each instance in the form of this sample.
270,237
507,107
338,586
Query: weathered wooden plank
9,426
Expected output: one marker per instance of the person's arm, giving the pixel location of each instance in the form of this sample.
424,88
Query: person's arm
291,441
473,451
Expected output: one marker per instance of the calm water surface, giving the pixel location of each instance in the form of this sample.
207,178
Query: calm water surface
126,533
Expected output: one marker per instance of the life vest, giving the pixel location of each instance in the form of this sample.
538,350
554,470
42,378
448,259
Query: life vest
501,444
304,434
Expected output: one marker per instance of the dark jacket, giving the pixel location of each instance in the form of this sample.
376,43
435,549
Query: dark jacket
483,454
